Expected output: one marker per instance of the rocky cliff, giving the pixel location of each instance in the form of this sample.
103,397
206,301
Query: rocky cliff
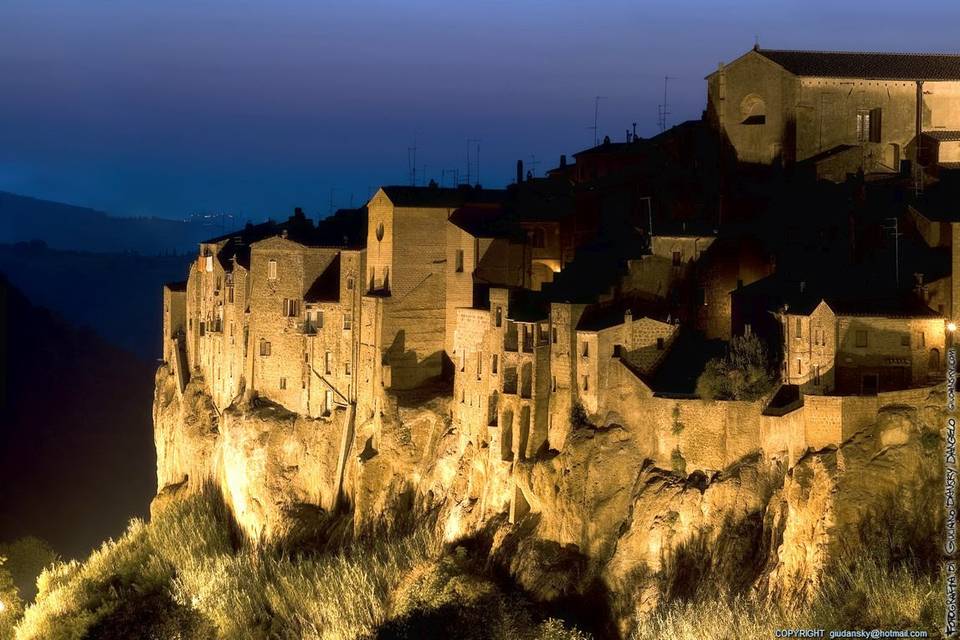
594,518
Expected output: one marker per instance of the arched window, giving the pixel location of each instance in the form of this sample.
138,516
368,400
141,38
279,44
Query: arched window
753,109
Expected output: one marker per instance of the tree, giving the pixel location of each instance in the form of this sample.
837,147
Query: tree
743,374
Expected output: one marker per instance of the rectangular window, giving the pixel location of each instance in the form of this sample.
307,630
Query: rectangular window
861,339
283,383
328,402
553,335
479,365
346,368
264,347
799,366
493,364
347,322
328,362
208,263
863,125
349,284
272,270
230,294
799,332
319,319
585,349
816,375
586,383
499,317
923,339
459,263
660,344
291,308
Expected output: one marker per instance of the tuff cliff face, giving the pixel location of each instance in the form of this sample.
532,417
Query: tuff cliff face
596,516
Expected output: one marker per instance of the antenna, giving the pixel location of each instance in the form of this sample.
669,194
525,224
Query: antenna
596,117
476,142
663,112
533,164
412,162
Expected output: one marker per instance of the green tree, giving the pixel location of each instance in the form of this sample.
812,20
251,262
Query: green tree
743,374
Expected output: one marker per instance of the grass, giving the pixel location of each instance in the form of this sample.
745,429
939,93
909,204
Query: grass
185,575
865,595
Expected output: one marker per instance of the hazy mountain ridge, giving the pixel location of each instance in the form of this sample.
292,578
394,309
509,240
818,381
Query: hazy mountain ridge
117,295
69,401
65,226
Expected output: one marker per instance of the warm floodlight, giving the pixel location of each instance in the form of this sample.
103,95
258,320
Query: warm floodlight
951,326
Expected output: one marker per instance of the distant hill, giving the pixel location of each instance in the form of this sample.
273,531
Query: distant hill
117,295
76,442
64,226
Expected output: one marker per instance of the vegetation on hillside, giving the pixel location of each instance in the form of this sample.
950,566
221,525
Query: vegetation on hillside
742,374
184,576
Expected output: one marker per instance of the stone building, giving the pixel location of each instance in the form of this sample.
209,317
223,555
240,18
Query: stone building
862,346
408,270
270,310
502,374
841,111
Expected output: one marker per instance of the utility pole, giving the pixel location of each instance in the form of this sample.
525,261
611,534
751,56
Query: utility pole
895,228
596,118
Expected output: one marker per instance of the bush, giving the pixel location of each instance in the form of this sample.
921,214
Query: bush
743,374
185,575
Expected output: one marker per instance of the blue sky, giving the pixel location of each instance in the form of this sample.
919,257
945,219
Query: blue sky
163,108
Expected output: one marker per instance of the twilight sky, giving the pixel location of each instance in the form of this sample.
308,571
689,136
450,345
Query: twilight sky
165,108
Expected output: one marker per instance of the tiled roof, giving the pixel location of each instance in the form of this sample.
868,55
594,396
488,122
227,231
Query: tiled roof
484,221
603,316
943,135
877,66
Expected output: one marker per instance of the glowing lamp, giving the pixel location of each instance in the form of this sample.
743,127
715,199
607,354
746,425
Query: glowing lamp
951,326
3,606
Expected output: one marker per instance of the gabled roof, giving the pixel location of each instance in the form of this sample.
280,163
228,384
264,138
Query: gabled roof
867,65
485,221
598,317
441,197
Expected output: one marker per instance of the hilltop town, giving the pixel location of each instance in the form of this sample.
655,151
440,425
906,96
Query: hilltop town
810,207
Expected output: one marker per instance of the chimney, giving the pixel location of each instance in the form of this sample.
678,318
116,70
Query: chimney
803,285
519,171
563,159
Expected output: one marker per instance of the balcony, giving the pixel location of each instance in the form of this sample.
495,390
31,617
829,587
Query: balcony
510,340
308,328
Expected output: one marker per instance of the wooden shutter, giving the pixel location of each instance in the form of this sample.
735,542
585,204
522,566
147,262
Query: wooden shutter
875,125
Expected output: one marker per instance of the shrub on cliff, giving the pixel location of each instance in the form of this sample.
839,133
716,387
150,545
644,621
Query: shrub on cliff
742,374
185,576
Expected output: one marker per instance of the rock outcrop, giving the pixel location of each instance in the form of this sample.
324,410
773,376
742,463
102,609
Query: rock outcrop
597,515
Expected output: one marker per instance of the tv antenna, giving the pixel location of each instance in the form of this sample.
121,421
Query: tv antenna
412,162
474,144
663,112
596,118
533,164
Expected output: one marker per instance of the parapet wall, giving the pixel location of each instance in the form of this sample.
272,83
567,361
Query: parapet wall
712,435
